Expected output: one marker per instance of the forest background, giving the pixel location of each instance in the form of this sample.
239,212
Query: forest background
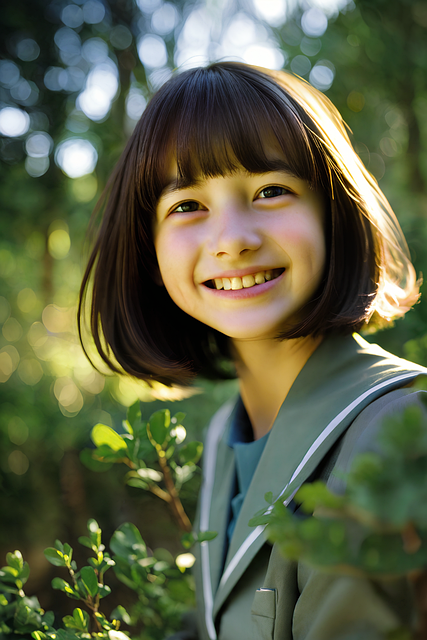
74,79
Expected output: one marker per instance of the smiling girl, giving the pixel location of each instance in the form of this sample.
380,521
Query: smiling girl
241,227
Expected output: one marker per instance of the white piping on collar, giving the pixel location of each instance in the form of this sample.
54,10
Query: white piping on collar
213,438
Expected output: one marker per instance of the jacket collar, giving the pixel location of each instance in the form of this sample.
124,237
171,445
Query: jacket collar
342,377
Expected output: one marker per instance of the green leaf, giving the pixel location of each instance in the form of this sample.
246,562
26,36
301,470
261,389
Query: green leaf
79,620
101,434
120,613
90,580
127,540
55,557
15,560
61,585
134,413
187,540
104,590
178,418
205,536
86,542
269,497
137,482
158,426
191,452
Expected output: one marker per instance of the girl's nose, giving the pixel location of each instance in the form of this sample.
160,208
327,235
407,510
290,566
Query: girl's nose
232,233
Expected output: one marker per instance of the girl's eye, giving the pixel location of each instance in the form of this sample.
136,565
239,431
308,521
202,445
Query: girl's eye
273,192
187,207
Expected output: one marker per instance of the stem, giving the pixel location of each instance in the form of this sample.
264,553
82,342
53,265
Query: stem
163,495
175,503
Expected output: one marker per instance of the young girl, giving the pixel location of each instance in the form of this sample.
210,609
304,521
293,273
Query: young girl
241,230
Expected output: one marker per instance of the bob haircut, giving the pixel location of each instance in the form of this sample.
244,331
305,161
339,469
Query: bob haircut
213,121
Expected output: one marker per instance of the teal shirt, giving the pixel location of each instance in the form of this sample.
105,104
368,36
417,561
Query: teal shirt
247,453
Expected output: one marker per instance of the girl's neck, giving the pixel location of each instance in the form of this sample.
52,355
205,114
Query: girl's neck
267,370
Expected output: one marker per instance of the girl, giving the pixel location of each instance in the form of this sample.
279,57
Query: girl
241,230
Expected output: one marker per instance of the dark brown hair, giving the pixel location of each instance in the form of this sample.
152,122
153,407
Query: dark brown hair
214,120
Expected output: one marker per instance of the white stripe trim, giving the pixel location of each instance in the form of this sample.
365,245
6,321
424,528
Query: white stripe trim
214,440
214,436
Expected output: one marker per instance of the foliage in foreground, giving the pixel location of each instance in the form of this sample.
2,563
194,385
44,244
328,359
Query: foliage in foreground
378,527
158,460
164,591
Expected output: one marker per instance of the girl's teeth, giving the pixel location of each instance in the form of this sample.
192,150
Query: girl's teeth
226,284
248,281
218,283
245,282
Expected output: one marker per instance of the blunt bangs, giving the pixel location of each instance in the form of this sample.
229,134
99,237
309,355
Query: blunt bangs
212,122
193,121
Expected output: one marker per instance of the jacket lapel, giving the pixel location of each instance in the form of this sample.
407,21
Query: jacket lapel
340,379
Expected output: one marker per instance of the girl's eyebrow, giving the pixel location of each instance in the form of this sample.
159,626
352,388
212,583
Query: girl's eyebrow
180,183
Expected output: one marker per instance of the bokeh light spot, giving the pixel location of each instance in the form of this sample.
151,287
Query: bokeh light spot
76,157
30,371
314,22
12,330
18,462
38,144
300,65
164,19
72,16
120,37
272,11
322,75
264,56
37,335
93,12
310,46
355,101
26,300
135,104
9,360
14,122
4,309
148,6
59,244
18,431
9,73
152,51
69,397
389,147
95,50
36,167
27,49
58,319
84,189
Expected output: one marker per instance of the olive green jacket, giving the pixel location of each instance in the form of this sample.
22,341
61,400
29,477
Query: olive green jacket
255,594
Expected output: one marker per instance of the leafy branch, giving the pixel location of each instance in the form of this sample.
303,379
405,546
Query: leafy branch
161,584
158,460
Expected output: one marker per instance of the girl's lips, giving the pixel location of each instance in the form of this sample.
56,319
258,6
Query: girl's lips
240,292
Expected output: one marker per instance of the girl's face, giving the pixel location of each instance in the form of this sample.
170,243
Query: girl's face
242,253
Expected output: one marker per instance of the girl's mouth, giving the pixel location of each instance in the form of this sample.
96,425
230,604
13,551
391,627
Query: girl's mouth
245,282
